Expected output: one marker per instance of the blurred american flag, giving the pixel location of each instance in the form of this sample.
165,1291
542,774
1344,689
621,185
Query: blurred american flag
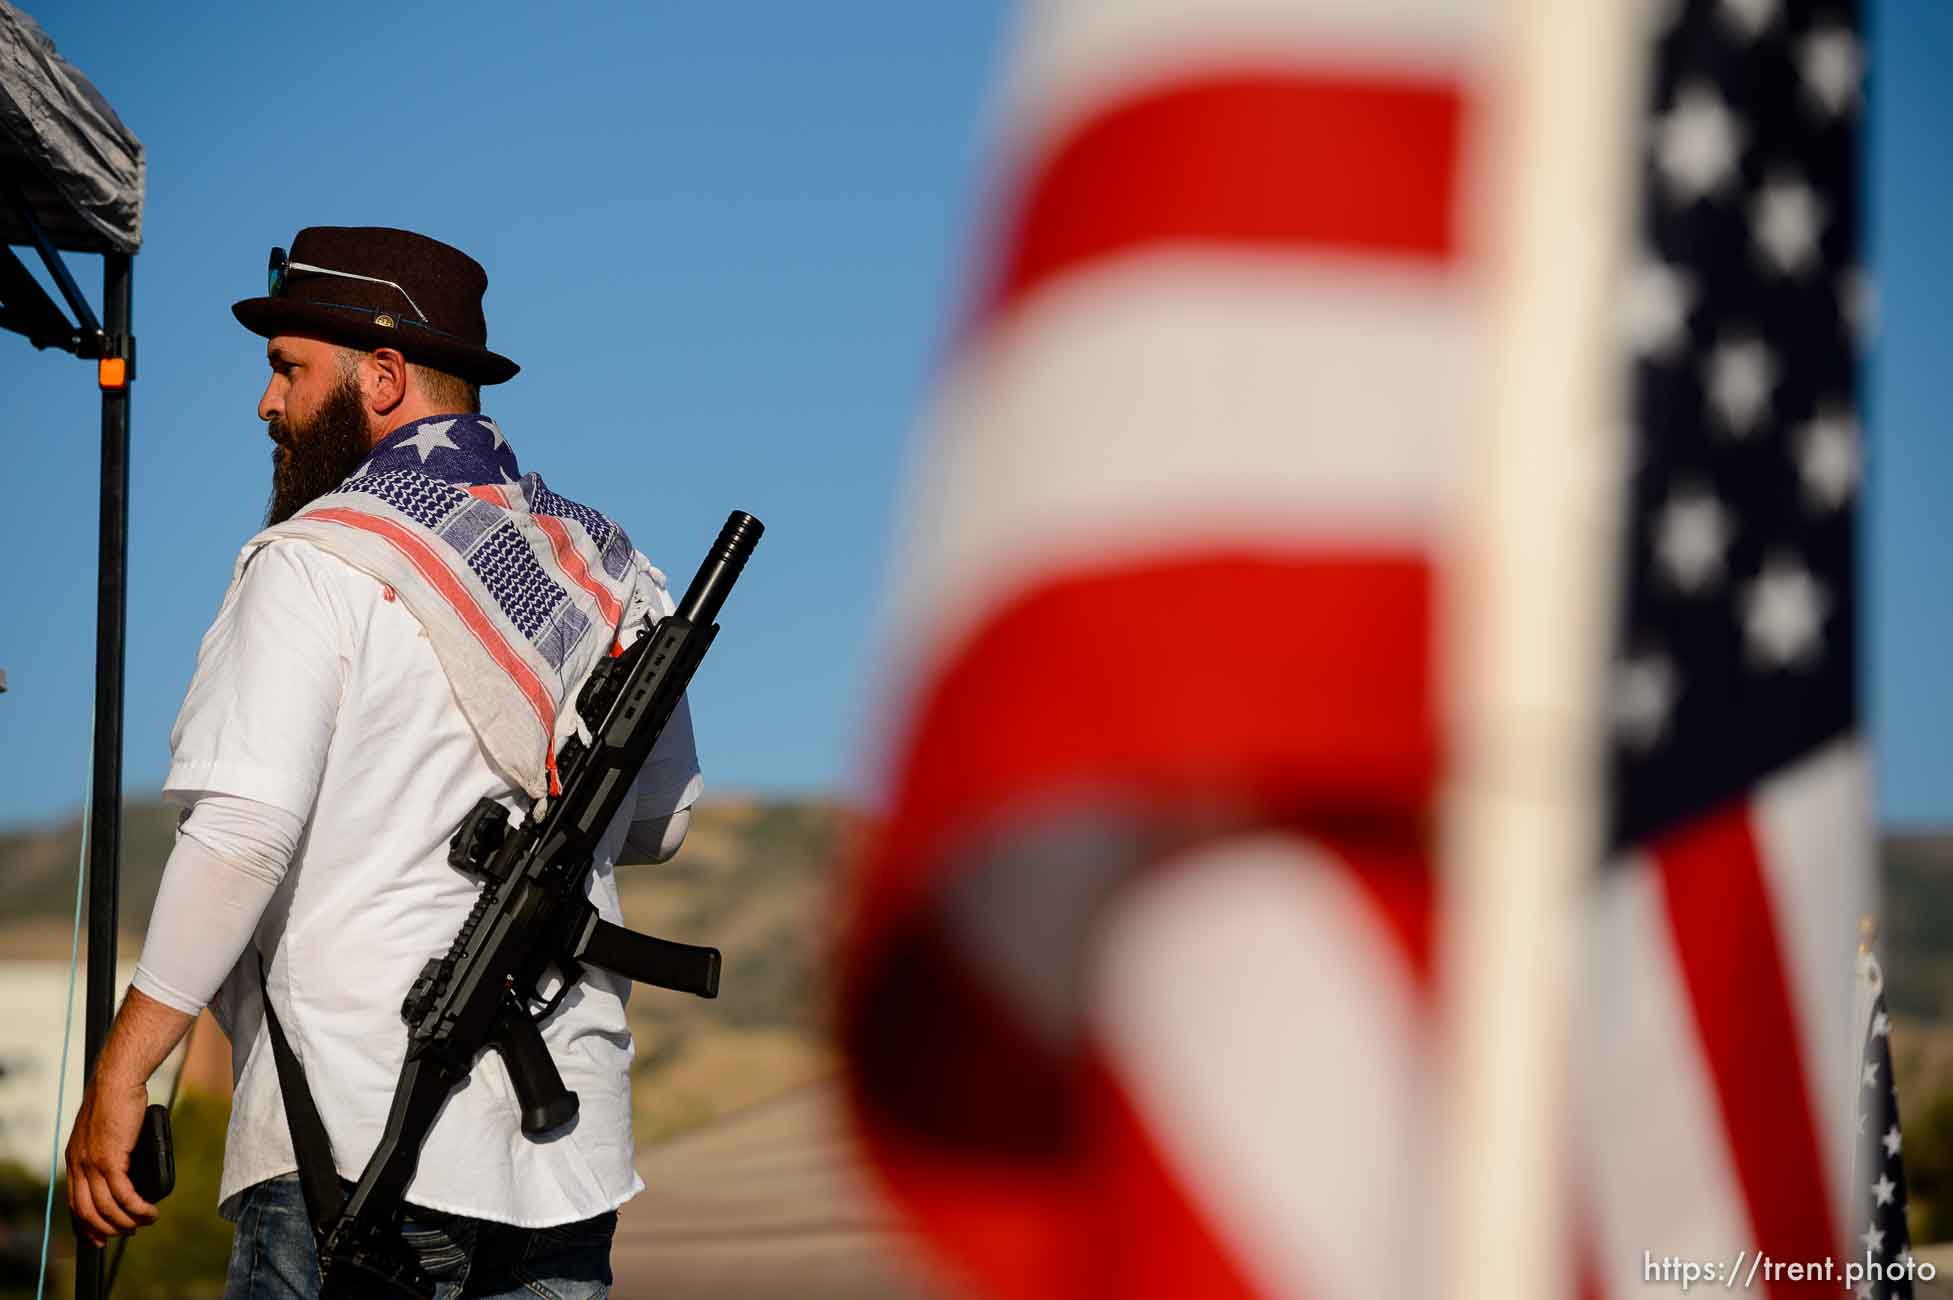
1718,1013
1140,990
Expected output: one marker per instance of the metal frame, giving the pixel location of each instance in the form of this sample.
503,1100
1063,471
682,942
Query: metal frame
28,310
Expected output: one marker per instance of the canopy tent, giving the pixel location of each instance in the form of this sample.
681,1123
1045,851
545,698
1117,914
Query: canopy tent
71,176
71,180
78,167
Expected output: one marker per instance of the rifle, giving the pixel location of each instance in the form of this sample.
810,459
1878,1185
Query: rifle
532,915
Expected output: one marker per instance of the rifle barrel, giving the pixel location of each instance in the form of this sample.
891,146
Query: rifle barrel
722,564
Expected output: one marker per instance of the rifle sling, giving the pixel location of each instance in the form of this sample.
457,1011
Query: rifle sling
318,1176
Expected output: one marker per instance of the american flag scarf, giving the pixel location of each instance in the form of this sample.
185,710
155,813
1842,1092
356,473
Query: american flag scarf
521,591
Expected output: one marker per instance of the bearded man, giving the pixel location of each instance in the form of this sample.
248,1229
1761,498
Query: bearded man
405,638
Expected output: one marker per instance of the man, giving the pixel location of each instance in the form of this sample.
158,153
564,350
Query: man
405,637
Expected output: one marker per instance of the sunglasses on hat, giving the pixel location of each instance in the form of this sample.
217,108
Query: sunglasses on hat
280,265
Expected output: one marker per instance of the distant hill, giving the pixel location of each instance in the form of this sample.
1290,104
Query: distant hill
37,865
1917,924
757,878
762,867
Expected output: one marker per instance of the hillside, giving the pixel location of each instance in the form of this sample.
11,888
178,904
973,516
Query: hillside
757,878
1918,924
754,878
37,866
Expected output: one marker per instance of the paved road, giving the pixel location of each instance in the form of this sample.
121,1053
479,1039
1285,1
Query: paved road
770,1203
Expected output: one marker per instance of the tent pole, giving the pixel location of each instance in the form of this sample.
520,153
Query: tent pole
111,609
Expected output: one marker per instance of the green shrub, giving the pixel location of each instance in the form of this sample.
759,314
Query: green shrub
183,1256
23,1197
1929,1170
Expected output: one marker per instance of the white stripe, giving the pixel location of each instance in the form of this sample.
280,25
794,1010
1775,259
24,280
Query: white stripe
1265,1024
1172,400
1816,841
1074,59
1660,1177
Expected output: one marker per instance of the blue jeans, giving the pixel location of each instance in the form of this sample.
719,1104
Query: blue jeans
273,1256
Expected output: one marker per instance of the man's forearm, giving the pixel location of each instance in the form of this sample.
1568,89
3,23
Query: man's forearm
145,1031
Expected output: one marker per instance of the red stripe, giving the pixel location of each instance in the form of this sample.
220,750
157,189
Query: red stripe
1023,1157
1035,1176
490,493
969,1117
1726,934
572,563
1590,1283
1248,160
1293,686
1147,1238
1033,1170
431,567
1389,859
1229,688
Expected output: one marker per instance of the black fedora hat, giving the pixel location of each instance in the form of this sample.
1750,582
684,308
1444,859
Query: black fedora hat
374,287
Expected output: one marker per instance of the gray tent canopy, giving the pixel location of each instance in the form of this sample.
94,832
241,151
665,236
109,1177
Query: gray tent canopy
71,178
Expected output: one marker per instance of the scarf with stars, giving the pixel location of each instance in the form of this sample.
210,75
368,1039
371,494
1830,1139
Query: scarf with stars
521,591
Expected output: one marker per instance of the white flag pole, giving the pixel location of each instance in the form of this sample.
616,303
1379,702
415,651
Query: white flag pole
1533,616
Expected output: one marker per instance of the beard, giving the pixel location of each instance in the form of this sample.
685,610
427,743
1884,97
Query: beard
309,460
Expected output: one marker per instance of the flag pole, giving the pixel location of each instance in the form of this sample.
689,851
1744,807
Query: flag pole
1535,616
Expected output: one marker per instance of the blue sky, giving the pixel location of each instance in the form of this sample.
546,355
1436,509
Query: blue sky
726,243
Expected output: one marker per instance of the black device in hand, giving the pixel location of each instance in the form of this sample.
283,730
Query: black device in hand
152,1164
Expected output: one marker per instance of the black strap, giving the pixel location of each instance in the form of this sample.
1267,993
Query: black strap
318,1176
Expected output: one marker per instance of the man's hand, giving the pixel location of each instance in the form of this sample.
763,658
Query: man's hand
100,1196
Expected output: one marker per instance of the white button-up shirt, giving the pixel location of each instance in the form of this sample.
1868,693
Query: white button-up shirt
317,693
